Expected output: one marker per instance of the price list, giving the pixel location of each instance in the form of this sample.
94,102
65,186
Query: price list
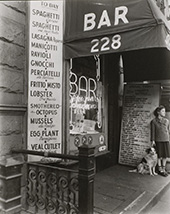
45,76
140,100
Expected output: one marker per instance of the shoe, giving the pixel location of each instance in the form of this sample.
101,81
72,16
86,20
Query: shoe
163,173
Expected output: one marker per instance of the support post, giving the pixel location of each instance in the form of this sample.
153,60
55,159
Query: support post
86,179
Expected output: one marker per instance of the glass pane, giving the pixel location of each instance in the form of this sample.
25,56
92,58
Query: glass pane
86,93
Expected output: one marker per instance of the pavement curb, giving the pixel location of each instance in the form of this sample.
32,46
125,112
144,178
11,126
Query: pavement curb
144,203
154,200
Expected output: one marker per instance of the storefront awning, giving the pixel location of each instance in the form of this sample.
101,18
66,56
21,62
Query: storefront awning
109,26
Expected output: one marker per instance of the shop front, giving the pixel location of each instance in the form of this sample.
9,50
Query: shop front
77,70
64,68
108,45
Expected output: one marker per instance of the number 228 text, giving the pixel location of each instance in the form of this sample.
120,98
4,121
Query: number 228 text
105,44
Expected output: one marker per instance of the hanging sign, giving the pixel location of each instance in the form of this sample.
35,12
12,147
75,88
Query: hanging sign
140,101
45,76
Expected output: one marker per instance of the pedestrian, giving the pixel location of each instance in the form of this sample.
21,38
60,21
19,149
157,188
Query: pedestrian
160,138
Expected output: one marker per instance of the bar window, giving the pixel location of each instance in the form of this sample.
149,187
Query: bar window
86,92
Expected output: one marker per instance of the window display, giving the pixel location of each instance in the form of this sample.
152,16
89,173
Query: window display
86,92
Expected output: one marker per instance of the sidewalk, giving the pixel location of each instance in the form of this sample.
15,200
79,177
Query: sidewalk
116,190
163,205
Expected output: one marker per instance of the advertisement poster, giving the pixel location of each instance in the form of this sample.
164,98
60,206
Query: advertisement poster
140,101
45,76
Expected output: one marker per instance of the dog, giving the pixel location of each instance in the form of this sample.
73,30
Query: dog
148,163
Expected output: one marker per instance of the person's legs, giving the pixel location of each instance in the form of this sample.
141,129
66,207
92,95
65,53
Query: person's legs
161,152
160,165
164,164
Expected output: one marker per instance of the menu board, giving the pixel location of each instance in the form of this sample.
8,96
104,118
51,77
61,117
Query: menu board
45,76
140,101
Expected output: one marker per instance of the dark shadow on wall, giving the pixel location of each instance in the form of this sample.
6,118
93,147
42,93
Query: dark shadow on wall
147,64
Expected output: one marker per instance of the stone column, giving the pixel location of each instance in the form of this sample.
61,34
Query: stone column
10,184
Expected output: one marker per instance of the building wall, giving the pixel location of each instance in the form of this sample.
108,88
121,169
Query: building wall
13,80
12,75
